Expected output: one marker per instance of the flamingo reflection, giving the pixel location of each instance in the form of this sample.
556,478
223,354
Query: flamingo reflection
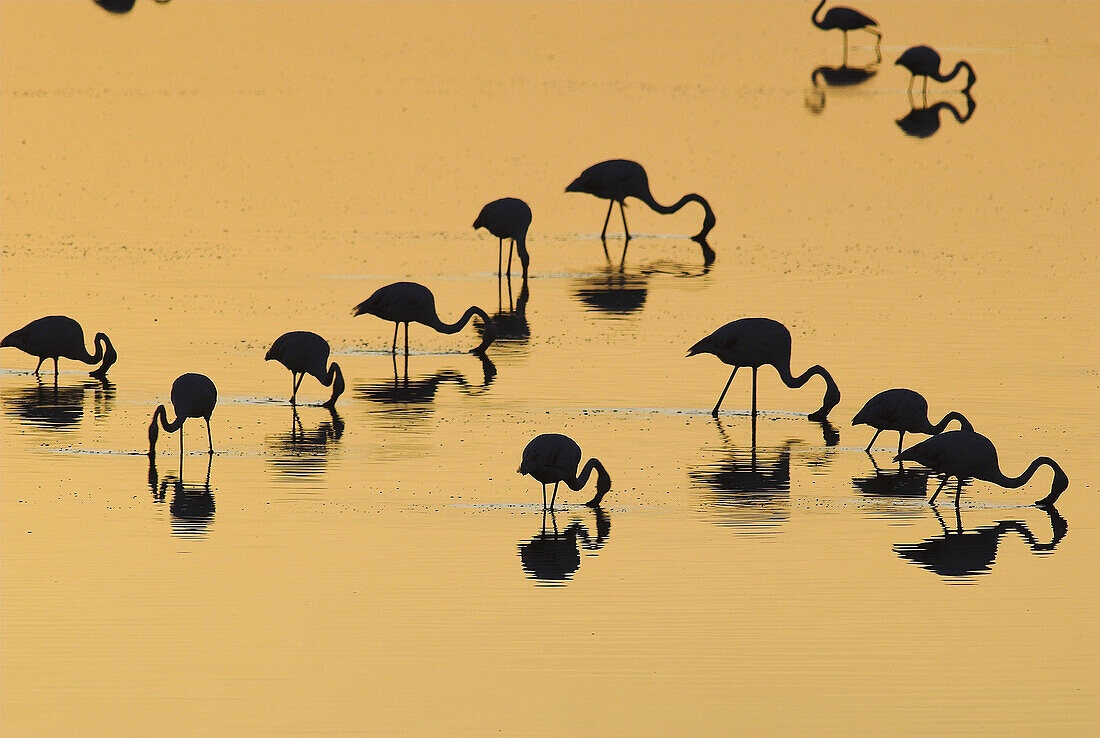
192,505
924,121
47,405
963,553
302,452
552,557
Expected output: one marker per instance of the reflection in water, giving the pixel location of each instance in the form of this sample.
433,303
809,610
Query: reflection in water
842,76
750,489
511,324
413,397
962,553
49,406
553,557
301,453
924,121
192,505
617,292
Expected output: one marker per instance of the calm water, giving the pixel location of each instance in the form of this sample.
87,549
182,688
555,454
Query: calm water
195,179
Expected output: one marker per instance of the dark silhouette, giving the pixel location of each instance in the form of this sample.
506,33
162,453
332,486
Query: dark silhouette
57,336
842,76
618,179
925,121
409,302
508,217
552,457
902,483
924,61
405,391
846,19
302,453
553,557
612,292
193,396
904,411
303,352
962,553
510,325
121,6
965,454
192,505
59,408
755,342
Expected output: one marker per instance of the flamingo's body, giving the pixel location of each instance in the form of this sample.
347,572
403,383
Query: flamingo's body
618,179
904,411
58,336
193,396
508,217
552,458
845,19
409,302
965,454
924,61
754,342
304,352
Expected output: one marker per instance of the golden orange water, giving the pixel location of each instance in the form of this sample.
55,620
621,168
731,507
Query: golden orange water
196,178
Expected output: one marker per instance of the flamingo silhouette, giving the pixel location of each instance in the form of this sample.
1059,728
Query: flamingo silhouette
304,352
755,342
552,457
618,179
507,217
924,61
924,122
192,505
409,302
58,336
193,396
846,19
553,557
904,411
964,454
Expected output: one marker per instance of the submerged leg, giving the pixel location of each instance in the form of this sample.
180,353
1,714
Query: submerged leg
544,497
500,256
511,247
39,366
181,444
901,437
603,233
933,497
872,443
554,496
396,325
958,491
406,339
55,367
722,396
622,211
209,438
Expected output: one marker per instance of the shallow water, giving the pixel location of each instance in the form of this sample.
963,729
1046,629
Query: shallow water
195,179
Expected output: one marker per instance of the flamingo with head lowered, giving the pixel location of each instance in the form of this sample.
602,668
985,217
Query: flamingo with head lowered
964,454
755,342
57,336
924,61
554,458
904,411
618,179
410,302
304,352
508,217
193,396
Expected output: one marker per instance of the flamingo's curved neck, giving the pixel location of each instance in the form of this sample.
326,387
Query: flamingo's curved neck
708,214
938,427
813,16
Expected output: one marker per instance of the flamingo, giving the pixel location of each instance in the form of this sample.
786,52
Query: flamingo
755,342
924,122
57,335
410,302
904,411
193,396
507,217
964,454
618,179
552,457
845,19
304,352
924,61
